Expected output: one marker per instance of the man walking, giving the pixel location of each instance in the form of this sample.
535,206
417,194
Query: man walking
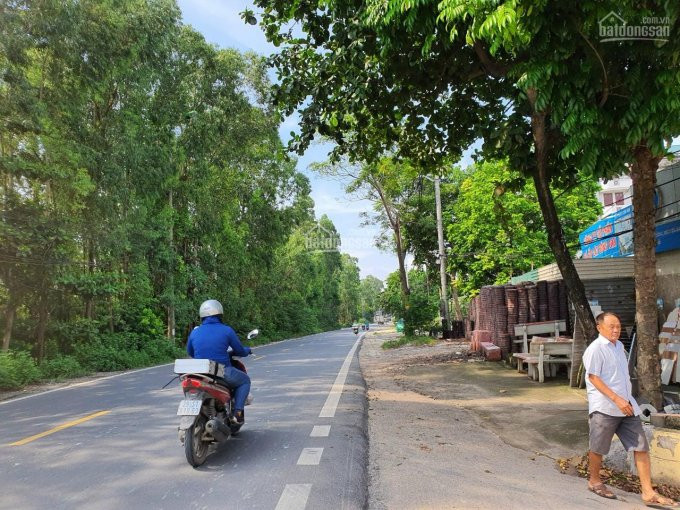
613,410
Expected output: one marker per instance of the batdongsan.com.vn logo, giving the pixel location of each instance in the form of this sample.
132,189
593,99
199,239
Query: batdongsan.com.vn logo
320,239
651,28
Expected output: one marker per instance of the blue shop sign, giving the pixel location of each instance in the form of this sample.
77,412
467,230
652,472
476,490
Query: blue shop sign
612,236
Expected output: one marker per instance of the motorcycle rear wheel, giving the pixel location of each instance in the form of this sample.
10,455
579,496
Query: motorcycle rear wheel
195,448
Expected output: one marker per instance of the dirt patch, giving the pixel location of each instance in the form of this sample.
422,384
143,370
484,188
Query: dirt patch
448,430
549,418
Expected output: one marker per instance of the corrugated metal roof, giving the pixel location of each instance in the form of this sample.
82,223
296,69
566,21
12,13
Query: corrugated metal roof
529,276
592,269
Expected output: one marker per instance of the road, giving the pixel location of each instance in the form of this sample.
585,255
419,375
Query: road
118,448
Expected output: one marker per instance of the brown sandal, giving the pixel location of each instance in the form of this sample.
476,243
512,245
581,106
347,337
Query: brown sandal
601,490
656,502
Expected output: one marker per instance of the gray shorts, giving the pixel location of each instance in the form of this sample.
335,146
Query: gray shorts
627,428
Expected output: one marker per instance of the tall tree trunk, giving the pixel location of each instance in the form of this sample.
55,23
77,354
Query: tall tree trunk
395,223
111,324
401,255
89,300
170,330
575,288
43,316
446,320
10,312
643,175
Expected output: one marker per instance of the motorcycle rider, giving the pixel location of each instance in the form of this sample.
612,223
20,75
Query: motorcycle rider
211,340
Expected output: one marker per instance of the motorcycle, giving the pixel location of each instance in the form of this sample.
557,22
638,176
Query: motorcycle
355,329
207,406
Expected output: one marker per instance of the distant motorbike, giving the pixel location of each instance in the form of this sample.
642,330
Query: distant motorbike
207,406
355,329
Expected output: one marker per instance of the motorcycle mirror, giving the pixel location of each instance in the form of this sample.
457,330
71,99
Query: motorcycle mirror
253,334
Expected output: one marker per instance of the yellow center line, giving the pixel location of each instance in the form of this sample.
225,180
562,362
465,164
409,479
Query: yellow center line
58,428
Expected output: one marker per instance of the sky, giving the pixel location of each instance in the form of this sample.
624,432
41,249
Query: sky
220,24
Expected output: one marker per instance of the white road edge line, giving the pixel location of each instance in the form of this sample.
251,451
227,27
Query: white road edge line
328,410
294,496
320,431
84,383
310,457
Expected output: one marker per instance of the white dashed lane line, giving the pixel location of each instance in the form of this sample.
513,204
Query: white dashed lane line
294,496
320,431
310,457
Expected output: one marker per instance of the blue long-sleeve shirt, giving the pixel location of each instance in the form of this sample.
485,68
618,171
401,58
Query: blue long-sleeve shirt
212,339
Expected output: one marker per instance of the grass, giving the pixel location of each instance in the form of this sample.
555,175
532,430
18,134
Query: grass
409,340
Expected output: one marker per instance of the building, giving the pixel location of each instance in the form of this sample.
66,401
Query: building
616,193
606,254
612,235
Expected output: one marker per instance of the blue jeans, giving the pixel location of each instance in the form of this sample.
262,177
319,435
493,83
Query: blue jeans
240,382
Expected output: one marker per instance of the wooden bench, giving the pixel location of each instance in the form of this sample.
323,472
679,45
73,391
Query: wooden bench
537,328
545,353
525,357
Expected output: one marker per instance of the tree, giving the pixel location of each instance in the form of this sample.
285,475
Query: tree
540,91
444,92
424,304
384,182
369,291
141,172
349,290
595,104
495,228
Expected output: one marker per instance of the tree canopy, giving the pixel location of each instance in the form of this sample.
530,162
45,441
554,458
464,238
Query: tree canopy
531,79
496,232
141,172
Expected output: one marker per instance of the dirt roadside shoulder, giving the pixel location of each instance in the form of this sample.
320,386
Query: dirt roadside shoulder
432,444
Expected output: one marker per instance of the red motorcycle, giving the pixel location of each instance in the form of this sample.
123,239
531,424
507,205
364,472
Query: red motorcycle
207,406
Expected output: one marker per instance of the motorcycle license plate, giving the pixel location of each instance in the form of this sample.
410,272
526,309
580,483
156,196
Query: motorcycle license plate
189,407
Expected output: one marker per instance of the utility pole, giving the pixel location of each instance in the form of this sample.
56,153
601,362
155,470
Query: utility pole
446,320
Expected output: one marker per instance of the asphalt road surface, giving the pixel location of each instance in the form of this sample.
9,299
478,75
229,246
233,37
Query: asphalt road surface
112,443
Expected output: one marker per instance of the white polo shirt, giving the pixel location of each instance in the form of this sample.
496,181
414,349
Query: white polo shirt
608,361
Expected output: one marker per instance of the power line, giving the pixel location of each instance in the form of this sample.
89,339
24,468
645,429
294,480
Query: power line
658,208
656,186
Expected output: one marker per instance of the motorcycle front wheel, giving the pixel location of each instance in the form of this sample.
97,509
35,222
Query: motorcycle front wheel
195,448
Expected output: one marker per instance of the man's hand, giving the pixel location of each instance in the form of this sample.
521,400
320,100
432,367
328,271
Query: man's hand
624,406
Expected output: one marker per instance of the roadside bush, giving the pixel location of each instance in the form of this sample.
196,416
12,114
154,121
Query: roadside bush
120,351
61,367
160,349
17,369
409,340
76,331
109,354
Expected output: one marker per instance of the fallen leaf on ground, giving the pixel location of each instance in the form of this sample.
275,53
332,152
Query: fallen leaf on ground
624,481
